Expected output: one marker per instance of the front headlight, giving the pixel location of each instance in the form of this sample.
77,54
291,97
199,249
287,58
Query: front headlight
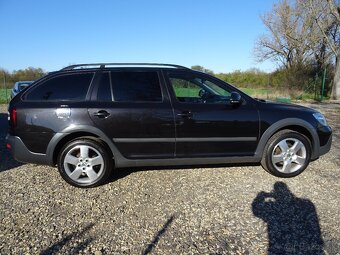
320,118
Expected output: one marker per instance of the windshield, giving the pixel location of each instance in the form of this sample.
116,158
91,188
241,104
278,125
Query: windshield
23,85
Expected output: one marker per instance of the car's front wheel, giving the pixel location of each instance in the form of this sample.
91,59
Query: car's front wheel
84,163
286,154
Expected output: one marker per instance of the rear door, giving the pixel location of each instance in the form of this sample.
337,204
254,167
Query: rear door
53,104
130,106
207,125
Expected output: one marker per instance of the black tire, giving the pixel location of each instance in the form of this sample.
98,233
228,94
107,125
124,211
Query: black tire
278,168
93,169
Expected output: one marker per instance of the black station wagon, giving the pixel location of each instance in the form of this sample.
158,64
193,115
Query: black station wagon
89,119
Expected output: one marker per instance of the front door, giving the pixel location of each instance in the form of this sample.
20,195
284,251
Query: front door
207,125
131,109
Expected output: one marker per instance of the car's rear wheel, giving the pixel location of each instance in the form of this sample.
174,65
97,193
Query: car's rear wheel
84,163
286,154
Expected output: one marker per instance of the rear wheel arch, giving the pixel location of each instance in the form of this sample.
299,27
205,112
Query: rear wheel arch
85,162
68,138
60,139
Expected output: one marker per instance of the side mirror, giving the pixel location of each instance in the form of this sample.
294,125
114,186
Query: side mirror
201,93
235,98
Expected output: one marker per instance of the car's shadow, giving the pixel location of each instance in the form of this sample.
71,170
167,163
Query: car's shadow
120,173
6,160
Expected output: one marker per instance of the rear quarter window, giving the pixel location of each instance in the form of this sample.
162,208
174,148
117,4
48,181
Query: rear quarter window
62,87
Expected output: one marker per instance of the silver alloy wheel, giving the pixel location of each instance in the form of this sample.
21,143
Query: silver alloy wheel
289,155
84,164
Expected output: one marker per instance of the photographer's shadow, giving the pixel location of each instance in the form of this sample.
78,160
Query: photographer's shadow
292,222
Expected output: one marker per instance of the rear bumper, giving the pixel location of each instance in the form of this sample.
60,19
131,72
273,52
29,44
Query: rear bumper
20,152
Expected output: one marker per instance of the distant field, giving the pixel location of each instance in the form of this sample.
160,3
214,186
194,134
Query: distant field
182,92
3,95
187,92
190,92
253,92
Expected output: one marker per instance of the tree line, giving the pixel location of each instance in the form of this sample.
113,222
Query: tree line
29,74
253,78
290,80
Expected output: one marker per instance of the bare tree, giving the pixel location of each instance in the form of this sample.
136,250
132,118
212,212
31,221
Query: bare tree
325,16
303,32
286,41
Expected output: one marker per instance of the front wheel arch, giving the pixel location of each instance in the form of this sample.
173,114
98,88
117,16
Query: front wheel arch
297,159
294,124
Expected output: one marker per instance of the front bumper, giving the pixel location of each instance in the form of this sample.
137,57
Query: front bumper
325,139
20,152
326,148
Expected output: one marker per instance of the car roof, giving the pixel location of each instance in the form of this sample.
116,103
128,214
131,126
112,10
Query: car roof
18,82
121,65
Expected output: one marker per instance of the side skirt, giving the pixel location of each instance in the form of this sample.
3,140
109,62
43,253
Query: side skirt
184,161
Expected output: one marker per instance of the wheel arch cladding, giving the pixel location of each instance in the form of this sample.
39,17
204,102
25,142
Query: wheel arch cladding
60,139
295,124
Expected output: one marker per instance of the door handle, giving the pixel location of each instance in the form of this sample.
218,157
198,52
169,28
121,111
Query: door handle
102,114
185,114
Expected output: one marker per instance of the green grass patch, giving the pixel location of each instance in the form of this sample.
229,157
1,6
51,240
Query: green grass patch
193,92
186,92
254,91
3,99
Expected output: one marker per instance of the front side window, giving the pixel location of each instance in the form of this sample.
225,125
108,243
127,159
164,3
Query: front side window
136,87
64,87
191,89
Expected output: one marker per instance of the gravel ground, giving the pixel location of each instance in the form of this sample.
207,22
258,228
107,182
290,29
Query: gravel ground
217,210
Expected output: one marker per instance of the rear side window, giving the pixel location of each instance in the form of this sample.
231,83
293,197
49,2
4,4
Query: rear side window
136,86
63,87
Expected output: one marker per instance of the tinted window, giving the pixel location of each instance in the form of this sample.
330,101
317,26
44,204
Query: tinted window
104,88
64,87
136,86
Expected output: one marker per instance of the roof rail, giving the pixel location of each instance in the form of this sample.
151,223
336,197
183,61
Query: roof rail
105,65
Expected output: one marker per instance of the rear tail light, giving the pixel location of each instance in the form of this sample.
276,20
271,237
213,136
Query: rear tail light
13,117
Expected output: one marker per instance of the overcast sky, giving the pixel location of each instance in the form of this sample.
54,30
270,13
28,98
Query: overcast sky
217,34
